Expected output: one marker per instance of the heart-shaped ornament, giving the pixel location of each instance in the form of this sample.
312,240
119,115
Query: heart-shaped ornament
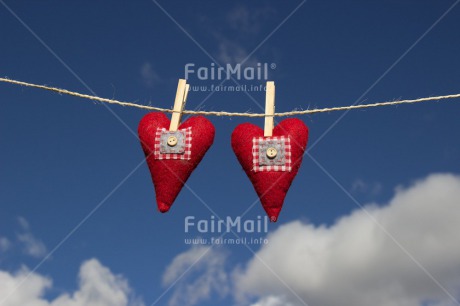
271,163
172,156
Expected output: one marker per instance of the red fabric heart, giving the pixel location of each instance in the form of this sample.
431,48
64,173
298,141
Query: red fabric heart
170,175
271,186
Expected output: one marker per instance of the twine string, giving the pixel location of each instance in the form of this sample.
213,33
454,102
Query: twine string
224,113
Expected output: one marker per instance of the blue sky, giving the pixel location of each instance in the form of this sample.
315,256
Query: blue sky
73,185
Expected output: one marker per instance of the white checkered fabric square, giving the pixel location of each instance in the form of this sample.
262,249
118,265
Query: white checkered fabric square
186,155
283,160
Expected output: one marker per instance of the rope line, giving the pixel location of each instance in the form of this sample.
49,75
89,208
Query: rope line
224,113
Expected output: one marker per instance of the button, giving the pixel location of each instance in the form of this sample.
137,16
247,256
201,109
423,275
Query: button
271,152
172,141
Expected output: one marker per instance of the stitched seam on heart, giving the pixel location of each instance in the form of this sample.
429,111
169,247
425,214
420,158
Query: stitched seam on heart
187,155
287,153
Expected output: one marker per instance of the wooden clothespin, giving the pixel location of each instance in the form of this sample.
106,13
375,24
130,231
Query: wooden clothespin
269,109
179,104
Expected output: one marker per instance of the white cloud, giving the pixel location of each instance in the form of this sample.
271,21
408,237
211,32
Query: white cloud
230,52
249,21
14,291
4,244
206,275
149,76
360,186
354,263
23,223
98,286
31,246
245,25
272,301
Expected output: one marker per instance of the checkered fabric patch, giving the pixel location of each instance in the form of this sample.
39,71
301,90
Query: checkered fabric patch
262,162
183,149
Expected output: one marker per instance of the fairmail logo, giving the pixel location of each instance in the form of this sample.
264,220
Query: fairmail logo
226,225
228,71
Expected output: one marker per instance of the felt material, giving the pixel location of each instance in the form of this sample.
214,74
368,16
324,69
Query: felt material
271,186
169,176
